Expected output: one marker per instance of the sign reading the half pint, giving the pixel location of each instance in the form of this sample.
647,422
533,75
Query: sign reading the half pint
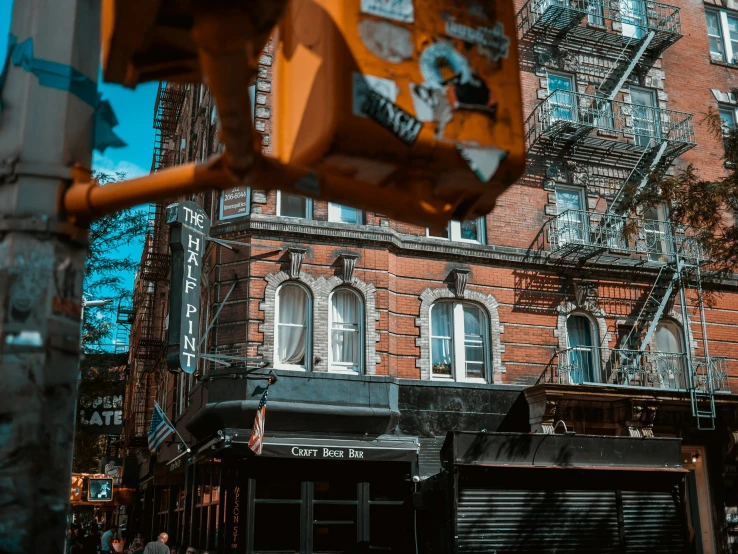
190,227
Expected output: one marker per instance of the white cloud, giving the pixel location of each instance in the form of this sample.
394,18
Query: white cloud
103,163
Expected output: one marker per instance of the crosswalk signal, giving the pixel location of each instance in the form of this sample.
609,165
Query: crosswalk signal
416,102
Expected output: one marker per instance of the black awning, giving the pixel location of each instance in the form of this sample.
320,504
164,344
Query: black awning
383,448
562,451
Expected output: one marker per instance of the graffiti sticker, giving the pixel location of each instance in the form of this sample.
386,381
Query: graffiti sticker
362,84
399,10
444,67
390,116
493,39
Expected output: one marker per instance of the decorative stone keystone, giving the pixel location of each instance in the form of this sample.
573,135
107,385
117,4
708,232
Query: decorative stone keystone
348,263
297,254
461,277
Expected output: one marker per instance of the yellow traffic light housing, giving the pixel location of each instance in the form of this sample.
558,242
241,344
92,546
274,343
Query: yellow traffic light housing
409,108
402,96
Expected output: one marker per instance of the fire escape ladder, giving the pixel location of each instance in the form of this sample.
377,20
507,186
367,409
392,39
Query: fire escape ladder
702,395
651,158
702,377
653,308
624,65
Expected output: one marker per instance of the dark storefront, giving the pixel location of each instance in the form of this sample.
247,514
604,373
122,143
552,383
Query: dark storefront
318,494
507,492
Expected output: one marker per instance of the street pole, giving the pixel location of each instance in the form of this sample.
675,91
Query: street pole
44,130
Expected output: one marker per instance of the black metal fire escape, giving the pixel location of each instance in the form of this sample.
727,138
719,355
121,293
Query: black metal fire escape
614,42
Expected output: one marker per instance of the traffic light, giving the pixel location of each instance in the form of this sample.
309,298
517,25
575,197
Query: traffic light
409,108
416,100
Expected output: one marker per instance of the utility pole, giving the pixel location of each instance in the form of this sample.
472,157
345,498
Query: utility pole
46,126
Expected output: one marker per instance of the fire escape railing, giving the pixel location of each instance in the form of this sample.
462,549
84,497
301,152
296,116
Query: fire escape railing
571,116
562,15
615,366
581,230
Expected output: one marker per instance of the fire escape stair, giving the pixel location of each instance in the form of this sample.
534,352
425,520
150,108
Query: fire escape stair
624,65
652,159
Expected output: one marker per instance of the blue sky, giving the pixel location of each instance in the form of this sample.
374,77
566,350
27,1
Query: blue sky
135,111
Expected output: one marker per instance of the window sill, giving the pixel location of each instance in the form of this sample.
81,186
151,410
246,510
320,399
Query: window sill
289,367
724,64
452,380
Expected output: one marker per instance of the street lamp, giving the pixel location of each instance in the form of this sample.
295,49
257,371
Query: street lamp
93,304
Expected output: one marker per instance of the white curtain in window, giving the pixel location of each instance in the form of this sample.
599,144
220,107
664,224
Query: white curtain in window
345,313
581,353
669,355
474,342
292,328
441,333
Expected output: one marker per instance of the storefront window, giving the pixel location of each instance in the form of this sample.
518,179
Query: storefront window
324,516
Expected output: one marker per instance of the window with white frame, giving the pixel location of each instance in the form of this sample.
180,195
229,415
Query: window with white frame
292,337
346,331
294,205
343,214
727,121
722,32
470,230
459,342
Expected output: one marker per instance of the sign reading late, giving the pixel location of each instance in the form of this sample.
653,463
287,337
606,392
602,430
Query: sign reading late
190,227
101,415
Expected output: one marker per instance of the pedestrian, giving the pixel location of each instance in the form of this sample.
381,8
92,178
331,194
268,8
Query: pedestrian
106,541
136,547
191,550
159,546
91,543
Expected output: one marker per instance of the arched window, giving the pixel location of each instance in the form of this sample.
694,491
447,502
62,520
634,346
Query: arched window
292,339
582,354
670,355
459,342
346,331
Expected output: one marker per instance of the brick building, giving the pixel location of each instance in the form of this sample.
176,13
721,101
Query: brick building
545,316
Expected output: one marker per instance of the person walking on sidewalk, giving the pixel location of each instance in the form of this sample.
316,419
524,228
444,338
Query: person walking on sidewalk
159,546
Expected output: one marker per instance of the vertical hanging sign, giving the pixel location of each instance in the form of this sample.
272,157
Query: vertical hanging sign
189,228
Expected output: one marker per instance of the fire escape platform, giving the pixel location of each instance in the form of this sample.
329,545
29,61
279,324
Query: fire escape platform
591,129
589,24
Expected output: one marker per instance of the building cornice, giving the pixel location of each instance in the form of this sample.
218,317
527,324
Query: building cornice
312,231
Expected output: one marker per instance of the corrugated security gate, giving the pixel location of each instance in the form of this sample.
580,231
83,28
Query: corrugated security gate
556,494
568,521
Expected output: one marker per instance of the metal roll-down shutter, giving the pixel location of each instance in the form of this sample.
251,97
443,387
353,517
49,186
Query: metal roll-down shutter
503,521
562,522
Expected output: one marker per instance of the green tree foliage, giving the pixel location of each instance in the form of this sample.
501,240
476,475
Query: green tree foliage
105,264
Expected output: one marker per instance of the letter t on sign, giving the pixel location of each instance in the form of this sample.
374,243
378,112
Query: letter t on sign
190,226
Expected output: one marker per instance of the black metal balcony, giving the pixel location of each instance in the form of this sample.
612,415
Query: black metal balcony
665,370
638,19
580,234
612,132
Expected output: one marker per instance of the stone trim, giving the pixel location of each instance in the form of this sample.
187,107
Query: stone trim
320,290
428,297
268,226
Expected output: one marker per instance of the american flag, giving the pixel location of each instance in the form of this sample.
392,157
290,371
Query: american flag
160,429
256,441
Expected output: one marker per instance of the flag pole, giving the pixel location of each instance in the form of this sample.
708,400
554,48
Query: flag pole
169,421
